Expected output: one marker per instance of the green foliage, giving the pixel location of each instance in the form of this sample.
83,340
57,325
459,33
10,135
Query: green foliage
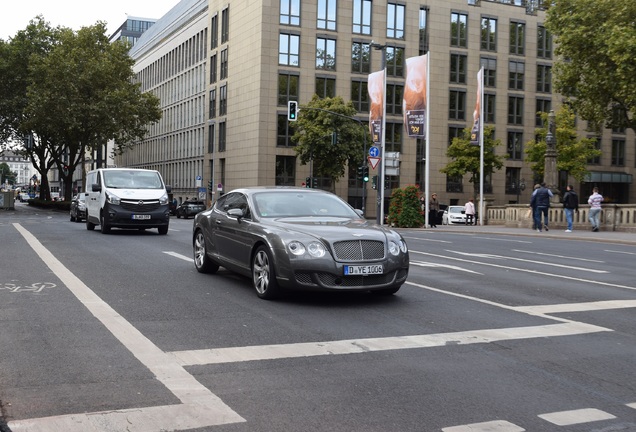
597,41
573,153
465,157
405,209
313,133
6,175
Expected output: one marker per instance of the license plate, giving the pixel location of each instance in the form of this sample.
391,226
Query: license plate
362,270
142,217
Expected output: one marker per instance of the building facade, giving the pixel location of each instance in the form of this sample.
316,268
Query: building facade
21,166
224,72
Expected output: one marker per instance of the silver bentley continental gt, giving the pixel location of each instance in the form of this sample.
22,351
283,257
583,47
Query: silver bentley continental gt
298,239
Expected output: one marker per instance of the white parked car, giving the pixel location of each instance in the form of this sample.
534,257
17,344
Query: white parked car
454,215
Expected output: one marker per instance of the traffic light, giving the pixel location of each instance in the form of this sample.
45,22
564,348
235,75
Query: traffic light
374,182
365,174
292,110
314,182
65,170
308,182
210,185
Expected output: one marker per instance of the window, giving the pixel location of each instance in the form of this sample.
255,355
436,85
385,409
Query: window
618,152
394,98
515,145
490,71
423,31
224,58
489,108
394,61
454,183
543,106
225,25
211,138
284,132
362,17
288,49
214,31
544,43
327,14
325,87
517,38
393,137
213,69
287,88
290,12
213,103
457,105
360,95
455,132
544,79
222,128
597,145
515,110
325,54
458,68
285,171
489,34
360,57
395,21
513,176
459,30
516,72
223,100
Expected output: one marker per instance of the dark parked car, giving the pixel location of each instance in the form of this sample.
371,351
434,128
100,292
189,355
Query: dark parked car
298,238
78,208
189,208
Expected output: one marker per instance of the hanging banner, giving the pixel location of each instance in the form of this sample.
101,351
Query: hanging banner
414,100
475,131
375,85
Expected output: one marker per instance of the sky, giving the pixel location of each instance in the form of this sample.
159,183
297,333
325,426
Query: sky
75,14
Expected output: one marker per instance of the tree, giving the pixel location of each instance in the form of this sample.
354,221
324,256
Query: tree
573,154
465,157
405,209
6,175
317,122
596,40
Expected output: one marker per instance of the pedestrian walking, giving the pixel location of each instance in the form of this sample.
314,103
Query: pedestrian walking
433,209
533,208
570,205
541,202
595,201
469,211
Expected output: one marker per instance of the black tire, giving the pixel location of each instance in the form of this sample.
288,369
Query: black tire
72,218
178,216
264,275
163,230
103,226
89,225
78,219
202,261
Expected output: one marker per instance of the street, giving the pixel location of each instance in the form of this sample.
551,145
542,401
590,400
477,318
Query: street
491,332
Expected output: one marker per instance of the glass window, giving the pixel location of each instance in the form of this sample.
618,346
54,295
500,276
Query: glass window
544,43
459,30
360,95
290,12
213,103
211,138
288,49
325,54
423,31
287,88
222,134
517,38
214,31
458,67
457,105
489,108
284,132
395,21
393,137
618,152
325,87
597,145
362,17
225,25
394,61
223,100
544,79
360,57
213,69
489,34
515,110
327,14
490,71
515,145
224,60
516,72
285,171
394,96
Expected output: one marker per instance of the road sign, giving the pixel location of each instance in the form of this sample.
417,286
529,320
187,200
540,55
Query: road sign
374,152
373,161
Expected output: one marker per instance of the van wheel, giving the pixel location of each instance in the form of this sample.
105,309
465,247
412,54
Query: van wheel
163,230
104,227
89,225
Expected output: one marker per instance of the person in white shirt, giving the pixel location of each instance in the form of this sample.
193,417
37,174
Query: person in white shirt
469,211
595,201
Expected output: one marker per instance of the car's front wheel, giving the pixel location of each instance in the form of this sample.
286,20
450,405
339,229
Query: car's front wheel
264,274
103,225
202,261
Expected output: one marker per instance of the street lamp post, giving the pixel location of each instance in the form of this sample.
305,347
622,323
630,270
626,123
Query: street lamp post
380,209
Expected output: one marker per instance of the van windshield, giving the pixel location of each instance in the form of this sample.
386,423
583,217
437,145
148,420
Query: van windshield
132,179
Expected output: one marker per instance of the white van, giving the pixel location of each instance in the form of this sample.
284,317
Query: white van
126,198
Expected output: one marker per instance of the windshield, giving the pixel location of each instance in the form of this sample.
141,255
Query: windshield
456,209
132,179
300,204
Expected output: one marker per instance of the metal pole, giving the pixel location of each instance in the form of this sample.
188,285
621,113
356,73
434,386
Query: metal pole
380,209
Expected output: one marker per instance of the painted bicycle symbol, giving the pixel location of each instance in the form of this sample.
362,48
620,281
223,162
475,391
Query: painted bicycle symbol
35,288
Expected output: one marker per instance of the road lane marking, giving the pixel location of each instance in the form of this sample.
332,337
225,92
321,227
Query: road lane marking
491,426
359,346
503,240
568,418
477,255
200,407
526,270
620,252
557,256
577,307
178,255
428,240
452,267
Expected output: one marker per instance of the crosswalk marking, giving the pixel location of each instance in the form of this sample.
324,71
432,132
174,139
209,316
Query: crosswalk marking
567,418
492,426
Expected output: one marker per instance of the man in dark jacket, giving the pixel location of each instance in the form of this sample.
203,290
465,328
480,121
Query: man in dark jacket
541,201
570,205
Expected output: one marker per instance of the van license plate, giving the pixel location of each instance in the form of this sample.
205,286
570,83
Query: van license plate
363,270
142,217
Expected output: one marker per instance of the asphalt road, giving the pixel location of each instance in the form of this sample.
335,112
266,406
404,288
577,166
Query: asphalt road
495,330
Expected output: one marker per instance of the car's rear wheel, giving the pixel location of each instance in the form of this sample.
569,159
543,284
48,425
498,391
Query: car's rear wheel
202,261
264,274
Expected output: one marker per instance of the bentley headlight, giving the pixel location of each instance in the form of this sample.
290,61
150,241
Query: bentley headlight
403,246
394,248
113,199
316,249
296,248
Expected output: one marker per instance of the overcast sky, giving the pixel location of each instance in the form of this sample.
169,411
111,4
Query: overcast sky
16,15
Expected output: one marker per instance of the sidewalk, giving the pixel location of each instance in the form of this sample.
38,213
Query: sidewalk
587,235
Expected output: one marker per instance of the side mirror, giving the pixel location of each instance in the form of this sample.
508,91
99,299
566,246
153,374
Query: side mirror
96,188
236,212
